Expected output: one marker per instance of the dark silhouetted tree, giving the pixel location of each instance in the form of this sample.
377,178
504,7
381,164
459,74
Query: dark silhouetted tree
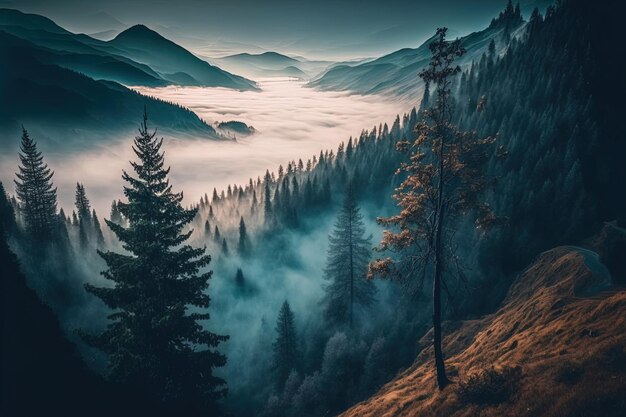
153,340
285,347
243,246
35,191
346,265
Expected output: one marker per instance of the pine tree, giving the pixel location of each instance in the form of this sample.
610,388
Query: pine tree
240,281
83,208
244,242
97,229
207,229
286,354
346,265
444,179
35,191
153,340
225,251
7,213
267,199
116,216
217,237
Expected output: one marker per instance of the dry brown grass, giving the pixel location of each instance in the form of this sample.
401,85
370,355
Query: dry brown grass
560,324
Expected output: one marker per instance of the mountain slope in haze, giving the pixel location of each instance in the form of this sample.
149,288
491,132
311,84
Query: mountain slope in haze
396,74
36,92
269,60
148,47
557,342
272,64
126,59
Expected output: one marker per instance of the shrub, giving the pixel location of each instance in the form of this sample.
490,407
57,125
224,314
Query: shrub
490,386
569,372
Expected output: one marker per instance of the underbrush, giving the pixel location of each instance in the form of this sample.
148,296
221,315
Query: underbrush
490,386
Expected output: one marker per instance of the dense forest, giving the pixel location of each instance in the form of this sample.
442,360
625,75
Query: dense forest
229,306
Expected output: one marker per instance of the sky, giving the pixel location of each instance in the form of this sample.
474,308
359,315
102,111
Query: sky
332,29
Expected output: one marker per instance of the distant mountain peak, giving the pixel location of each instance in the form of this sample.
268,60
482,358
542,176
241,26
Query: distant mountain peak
139,31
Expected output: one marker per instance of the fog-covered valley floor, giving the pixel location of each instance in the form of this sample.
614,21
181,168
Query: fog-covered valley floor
291,122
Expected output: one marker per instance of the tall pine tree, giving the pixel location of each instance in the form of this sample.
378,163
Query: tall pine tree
346,265
35,191
153,339
286,344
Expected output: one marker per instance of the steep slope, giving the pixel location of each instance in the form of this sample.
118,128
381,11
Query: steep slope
396,74
148,47
126,59
561,325
47,95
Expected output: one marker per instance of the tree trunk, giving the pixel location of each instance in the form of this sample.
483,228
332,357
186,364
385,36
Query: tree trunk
351,274
442,379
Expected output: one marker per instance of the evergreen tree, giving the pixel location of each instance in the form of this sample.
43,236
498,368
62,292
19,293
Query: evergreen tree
7,214
97,230
244,242
346,265
444,179
35,191
83,208
225,251
267,199
116,216
207,229
217,235
286,354
153,340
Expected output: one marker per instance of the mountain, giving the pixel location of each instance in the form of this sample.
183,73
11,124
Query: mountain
554,348
36,91
268,60
148,47
272,64
12,17
396,74
136,47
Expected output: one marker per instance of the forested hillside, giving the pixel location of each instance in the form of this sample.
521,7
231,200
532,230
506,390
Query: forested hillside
287,316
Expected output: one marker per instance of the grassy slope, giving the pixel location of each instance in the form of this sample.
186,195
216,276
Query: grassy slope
561,323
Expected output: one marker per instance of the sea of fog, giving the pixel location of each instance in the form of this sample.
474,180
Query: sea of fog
292,121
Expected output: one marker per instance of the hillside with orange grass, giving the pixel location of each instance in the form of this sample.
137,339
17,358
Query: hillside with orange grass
556,347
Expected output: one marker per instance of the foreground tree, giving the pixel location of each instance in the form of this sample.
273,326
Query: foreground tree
285,346
443,180
346,265
35,191
154,342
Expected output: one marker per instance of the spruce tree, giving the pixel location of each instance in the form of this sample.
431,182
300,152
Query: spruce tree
286,354
83,209
35,191
7,213
116,216
97,229
243,246
216,235
346,265
153,340
267,200
207,229
225,251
